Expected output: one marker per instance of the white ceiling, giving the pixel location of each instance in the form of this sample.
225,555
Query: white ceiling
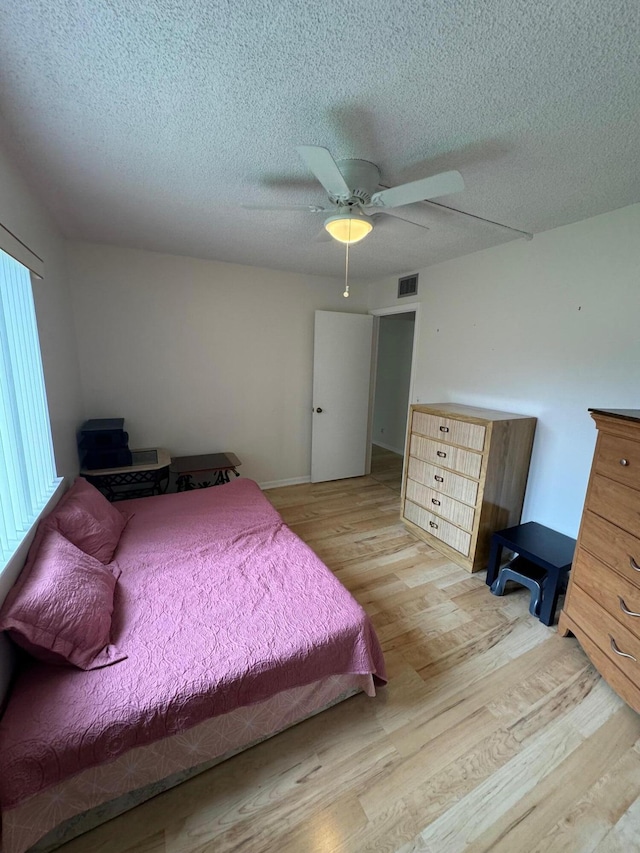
148,123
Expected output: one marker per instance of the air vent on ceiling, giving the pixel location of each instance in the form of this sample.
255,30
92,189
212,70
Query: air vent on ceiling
408,286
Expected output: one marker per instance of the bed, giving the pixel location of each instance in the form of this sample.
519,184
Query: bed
225,629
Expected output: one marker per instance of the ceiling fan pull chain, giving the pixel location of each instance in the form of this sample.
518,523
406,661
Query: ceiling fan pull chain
346,275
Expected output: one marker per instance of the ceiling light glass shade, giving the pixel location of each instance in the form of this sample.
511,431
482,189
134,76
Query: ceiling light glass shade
348,227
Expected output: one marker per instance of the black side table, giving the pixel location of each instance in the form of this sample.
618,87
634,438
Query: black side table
546,548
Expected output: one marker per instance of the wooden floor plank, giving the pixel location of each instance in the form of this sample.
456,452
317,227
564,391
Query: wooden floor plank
623,837
460,826
547,803
586,824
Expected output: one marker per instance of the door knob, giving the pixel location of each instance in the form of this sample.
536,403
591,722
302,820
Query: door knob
318,410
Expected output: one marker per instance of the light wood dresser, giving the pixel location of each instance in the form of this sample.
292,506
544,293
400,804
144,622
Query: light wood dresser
602,607
464,477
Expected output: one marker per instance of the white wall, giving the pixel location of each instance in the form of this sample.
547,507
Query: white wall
548,328
24,216
202,356
393,377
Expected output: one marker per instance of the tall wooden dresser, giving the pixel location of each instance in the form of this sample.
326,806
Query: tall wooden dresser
602,607
464,478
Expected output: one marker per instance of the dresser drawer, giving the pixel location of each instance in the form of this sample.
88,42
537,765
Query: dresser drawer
449,430
612,546
616,595
453,485
619,459
446,456
606,632
460,514
615,502
449,533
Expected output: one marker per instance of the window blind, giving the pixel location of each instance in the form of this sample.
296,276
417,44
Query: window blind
27,466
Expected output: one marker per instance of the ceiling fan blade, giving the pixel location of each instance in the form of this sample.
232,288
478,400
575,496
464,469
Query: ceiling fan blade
387,215
443,184
324,167
310,208
398,228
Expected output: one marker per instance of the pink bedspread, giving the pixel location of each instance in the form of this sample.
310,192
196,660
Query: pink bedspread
219,605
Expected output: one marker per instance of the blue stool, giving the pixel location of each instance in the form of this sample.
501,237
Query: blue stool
529,576
542,564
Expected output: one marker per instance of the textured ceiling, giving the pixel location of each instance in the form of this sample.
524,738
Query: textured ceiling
148,123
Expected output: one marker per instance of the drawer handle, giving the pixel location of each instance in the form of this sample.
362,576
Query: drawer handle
442,454
633,564
433,524
441,480
444,429
625,609
615,649
624,462
435,501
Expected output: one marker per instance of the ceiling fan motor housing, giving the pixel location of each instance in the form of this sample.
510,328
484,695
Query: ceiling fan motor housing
362,178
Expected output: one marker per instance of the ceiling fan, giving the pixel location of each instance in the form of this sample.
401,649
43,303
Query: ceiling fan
352,187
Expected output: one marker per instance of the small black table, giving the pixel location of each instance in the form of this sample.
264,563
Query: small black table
546,548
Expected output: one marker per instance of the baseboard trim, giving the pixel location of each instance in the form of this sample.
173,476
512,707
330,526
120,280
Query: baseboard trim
292,481
398,450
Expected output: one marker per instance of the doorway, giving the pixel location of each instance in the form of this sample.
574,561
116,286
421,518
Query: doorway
393,379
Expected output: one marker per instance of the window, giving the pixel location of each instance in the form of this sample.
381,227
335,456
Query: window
27,467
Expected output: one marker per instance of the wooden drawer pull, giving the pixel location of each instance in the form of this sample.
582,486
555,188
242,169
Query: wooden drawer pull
433,524
442,454
615,649
441,480
444,429
435,501
625,609
633,564
624,462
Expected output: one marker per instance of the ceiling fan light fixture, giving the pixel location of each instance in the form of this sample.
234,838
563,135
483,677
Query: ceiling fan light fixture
348,227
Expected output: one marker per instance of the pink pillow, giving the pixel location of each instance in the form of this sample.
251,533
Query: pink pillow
86,518
60,611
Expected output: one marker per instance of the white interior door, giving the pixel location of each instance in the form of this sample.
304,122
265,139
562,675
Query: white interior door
341,379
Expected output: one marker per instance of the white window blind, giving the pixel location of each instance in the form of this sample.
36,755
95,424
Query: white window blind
27,467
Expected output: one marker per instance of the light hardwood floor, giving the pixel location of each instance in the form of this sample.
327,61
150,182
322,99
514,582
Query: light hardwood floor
386,467
493,733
